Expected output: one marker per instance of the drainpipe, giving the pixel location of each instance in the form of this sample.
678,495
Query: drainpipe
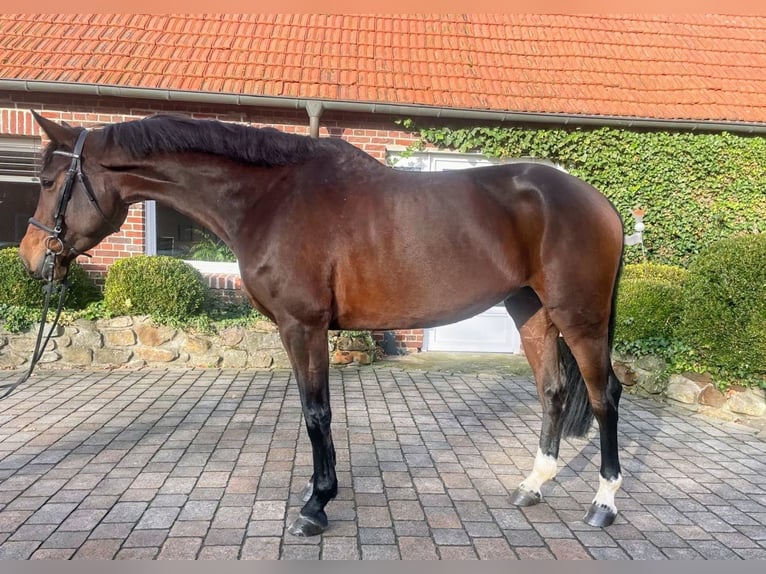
314,108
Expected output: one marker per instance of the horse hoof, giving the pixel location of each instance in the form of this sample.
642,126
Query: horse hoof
308,491
308,526
521,497
599,516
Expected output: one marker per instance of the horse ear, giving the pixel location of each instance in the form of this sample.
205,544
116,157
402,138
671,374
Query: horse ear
59,134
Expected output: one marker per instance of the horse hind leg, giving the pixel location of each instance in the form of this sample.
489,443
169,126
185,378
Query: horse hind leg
591,350
539,339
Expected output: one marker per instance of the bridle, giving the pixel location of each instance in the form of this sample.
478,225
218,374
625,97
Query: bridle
55,246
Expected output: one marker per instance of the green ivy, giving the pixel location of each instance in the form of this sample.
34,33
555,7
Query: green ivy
697,188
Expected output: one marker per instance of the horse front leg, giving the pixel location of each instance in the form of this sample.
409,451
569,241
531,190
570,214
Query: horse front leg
307,348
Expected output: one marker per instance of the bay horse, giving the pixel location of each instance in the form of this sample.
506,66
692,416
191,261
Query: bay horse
327,237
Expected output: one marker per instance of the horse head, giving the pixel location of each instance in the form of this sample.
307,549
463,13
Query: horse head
78,206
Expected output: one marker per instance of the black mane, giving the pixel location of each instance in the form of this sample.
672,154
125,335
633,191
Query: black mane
266,147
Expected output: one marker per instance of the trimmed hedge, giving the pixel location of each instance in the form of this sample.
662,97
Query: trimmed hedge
18,288
649,301
724,302
161,286
655,271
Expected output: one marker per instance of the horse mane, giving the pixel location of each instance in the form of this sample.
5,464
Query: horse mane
264,147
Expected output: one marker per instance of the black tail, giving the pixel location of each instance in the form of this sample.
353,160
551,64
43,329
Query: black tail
577,415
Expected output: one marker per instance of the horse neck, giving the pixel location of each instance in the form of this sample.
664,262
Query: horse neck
215,193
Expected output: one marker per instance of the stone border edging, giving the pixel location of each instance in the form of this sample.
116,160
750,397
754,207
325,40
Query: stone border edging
135,342
642,376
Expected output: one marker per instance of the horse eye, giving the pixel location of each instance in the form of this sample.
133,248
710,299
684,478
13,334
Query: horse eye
46,182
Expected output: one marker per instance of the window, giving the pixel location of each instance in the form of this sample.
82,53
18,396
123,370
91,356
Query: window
19,187
171,233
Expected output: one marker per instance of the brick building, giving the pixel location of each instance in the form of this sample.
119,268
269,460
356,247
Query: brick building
352,77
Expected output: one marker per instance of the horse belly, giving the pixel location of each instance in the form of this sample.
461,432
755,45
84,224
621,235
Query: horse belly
422,290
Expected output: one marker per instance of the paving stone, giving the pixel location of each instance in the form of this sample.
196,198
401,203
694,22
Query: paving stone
52,513
567,549
417,548
126,512
97,550
613,553
411,528
457,553
373,517
340,548
137,553
380,552
493,549
442,518
218,553
641,550
18,550
146,539
198,510
482,529
406,510
65,540
224,536
52,554
31,532
261,548
300,552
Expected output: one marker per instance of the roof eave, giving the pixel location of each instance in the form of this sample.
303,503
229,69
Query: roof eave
409,110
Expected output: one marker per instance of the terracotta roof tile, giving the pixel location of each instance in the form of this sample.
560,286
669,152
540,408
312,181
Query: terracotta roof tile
689,66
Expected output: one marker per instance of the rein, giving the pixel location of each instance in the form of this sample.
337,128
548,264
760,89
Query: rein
55,247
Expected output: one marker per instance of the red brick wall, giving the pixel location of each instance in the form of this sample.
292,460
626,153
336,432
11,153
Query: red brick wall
370,133
128,241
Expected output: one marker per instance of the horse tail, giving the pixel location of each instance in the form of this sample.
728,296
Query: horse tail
577,415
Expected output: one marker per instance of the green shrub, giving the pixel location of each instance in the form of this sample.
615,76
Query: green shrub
161,286
17,318
724,301
647,308
18,288
657,271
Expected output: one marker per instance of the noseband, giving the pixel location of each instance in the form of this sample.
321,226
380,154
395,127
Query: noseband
55,247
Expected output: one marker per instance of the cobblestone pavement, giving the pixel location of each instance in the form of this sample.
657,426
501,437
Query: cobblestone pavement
210,464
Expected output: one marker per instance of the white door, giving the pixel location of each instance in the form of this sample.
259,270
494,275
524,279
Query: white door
492,331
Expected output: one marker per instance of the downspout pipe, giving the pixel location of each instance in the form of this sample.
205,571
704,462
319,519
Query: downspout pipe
402,110
314,108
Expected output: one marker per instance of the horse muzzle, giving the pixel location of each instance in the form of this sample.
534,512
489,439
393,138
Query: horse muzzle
42,257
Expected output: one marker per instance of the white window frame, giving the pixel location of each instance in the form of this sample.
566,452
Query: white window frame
150,246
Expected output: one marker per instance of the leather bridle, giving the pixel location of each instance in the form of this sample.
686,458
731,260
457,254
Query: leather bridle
54,243
55,246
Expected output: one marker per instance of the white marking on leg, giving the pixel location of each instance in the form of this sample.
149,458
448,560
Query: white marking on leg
545,469
606,492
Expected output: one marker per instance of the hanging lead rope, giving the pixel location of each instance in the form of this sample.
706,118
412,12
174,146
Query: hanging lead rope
40,344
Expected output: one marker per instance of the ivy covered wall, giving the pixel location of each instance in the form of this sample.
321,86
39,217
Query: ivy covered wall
696,188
